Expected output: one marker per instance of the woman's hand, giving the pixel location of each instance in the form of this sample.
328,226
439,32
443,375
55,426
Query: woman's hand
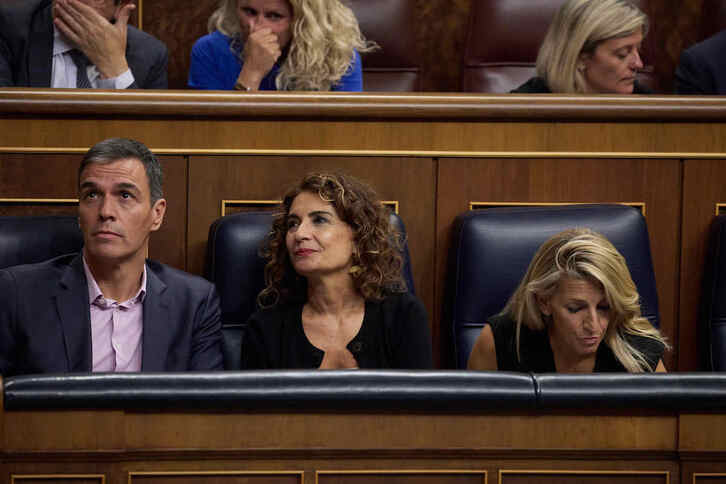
261,51
338,359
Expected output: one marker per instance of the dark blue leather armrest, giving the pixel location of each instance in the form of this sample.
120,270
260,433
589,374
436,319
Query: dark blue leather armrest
657,391
277,390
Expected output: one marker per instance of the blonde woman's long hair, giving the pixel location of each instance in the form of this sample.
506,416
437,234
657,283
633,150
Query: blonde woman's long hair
584,254
325,34
578,27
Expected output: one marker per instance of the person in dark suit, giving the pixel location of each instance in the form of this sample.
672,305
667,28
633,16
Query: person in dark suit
108,308
77,43
702,68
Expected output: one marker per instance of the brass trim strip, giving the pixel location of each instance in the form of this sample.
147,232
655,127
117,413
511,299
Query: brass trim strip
39,200
140,10
476,205
102,477
246,202
706,474
300,474
583,472
720,206
402,153
393,204
484,473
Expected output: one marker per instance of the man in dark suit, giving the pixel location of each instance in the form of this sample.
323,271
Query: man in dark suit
108,308
77,43
702,68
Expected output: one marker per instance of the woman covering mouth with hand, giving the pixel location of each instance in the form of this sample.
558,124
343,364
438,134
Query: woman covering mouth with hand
575,311
334,295
283,45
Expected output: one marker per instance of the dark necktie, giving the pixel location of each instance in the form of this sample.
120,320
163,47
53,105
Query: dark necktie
81,62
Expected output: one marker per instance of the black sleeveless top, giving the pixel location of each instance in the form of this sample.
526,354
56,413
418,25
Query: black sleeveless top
536,353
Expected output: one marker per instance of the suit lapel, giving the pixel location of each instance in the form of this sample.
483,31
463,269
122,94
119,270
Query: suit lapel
157,334
40,50
73,309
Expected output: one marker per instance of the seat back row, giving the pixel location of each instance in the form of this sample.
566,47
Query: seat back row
490,252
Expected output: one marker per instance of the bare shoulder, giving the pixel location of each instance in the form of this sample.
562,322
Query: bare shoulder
484,354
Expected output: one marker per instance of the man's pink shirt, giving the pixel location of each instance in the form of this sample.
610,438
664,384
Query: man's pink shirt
116,328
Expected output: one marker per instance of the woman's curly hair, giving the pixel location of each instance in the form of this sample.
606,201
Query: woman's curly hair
377,255
325,34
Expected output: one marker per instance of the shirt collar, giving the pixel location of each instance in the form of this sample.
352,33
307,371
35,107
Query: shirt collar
94,292
60,44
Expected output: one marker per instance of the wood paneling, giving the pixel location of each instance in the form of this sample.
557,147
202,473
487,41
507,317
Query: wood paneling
178,23
583,477
703,188
653,182
705,478
402,477
56,479
664,151
168,244
29,177
215,477
377,431
69,430
702,433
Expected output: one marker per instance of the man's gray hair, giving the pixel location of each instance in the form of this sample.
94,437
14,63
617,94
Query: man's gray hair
114,149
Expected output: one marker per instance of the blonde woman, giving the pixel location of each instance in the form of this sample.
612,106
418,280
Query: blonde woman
576,311
295,45
591,46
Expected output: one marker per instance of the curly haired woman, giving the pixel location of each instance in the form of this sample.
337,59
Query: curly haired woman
295,45
334,295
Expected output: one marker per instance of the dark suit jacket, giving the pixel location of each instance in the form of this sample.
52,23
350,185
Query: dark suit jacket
702,68
45,319
26,48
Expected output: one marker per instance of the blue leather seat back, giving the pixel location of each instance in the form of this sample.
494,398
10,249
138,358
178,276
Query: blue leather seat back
492,248
27,240
234,265
712,330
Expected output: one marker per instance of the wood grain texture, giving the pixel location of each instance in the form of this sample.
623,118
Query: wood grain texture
362,106
564,477
400,431
422,477
703,188
230,477
702,433
55,176
55,479
178,23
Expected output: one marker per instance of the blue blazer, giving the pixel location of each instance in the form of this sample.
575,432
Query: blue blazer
45,322
702,68
26,48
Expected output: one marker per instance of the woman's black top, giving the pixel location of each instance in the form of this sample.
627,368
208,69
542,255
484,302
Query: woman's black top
536,353
394,334
537,85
